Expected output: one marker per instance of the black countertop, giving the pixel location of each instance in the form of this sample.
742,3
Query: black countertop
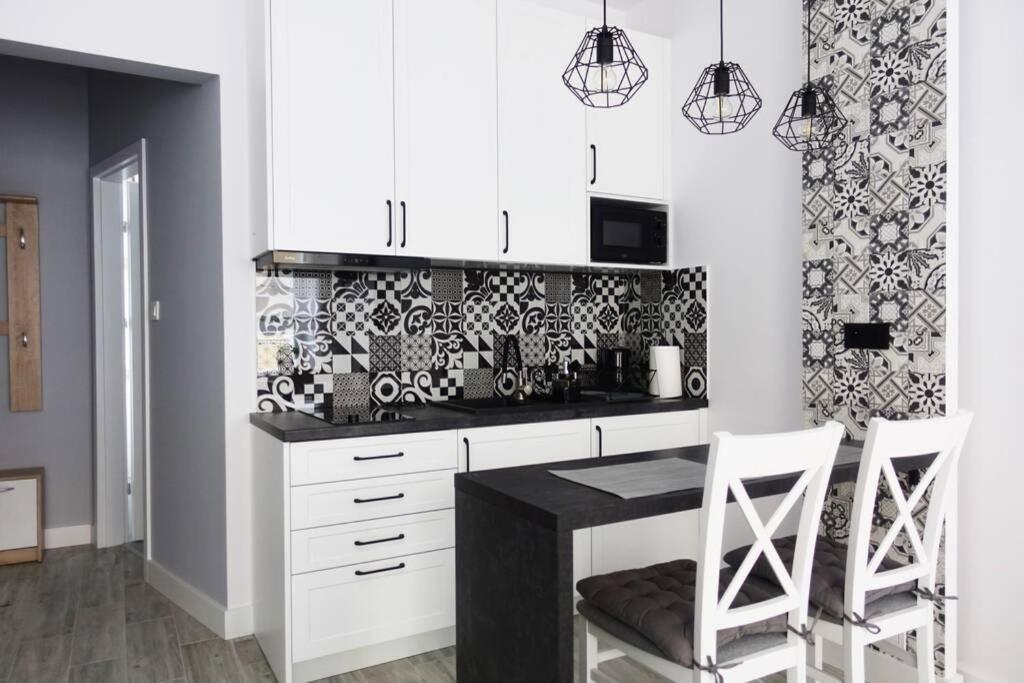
296,426
532,492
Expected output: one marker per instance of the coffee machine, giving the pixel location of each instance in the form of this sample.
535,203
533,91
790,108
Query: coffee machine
613,369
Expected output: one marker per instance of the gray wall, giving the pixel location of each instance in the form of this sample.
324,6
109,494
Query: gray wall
44,152
181,124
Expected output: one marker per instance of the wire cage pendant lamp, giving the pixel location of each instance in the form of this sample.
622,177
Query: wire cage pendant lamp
811,120
606,70
724,100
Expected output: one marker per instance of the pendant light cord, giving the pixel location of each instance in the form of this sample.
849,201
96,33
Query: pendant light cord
605,18
721,31
809,3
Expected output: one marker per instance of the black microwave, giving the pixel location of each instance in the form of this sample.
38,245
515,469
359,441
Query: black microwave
621,232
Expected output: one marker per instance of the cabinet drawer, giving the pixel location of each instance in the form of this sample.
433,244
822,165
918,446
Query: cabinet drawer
315,462
363,499
345,544
340,609
19,514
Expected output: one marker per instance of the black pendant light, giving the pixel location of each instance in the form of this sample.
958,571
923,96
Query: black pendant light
605,71
811,120
723,101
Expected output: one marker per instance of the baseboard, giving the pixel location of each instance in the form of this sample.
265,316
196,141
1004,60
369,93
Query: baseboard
226,623
64,536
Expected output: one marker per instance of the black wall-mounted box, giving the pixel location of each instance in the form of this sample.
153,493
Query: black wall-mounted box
866,336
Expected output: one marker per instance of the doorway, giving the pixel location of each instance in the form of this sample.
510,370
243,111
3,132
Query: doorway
120,295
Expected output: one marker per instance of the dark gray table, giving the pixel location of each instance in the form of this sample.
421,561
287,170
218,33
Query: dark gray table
513,557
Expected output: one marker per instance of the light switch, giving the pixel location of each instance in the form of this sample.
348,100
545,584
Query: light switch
154,310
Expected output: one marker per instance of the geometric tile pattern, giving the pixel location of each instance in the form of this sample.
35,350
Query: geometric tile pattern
874,224
431,335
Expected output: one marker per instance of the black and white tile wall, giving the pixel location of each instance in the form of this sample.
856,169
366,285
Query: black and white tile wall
349,339
875,227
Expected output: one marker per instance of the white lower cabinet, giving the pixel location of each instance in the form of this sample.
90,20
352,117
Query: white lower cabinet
351,607
643,542
489,448
354,544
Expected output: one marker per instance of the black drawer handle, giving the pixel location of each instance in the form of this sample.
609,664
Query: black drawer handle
466,441
600,441
360,572
374,500
360,458
593,151
391,230
505,214
399,537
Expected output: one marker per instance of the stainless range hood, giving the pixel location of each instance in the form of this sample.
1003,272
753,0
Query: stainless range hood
320,260
328,261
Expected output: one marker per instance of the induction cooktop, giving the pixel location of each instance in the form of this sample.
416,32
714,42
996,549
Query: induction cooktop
359,415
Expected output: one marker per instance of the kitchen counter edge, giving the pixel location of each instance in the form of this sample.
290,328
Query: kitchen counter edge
293,427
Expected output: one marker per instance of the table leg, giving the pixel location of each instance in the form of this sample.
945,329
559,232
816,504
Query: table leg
513,587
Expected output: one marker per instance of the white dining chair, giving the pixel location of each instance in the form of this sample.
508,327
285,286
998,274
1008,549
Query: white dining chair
868,570
859,595
697,621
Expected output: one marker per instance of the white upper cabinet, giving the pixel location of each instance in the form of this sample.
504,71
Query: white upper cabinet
446,128
541,130
333,137
628,146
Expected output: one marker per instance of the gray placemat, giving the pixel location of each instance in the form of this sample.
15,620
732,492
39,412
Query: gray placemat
638,479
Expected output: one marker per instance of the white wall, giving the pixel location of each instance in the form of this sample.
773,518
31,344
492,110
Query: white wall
737,209
991,329
221,37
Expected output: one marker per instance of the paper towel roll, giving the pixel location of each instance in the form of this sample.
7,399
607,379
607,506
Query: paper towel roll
667,377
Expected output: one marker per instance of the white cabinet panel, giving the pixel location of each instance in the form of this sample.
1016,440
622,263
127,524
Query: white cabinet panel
526,444
630,143
333,134
533,444
541,130
344,544
643,542
341,609
19,514
314,462
353,501
446,124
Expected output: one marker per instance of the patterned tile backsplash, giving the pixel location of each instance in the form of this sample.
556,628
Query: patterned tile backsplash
349,339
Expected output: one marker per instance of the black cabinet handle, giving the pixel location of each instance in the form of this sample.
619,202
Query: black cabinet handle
391,229
593,152
360,572
374,500
399,537
360,458
600,441
466,441
505,214
402,204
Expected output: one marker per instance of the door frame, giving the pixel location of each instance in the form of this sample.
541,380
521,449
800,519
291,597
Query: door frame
111,510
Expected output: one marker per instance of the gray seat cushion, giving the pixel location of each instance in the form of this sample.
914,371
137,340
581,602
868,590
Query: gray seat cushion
653,609
828,575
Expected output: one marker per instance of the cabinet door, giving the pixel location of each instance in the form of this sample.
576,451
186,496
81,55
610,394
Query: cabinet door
333,129
532,444
446,123
19,514
541,129
630,143
643,542
337,610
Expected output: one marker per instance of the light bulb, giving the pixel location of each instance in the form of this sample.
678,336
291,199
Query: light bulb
606,78
809,128
721,107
